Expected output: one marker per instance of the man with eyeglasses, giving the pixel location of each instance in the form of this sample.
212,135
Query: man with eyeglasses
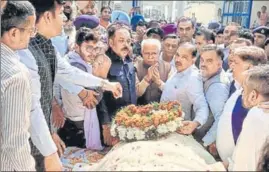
152,73
87,49
46,66
170,45
17,23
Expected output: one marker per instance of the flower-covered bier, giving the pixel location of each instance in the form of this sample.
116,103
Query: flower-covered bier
147,122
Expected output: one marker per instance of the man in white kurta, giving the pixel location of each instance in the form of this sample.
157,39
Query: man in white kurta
225,142
255,129
234,114
248,150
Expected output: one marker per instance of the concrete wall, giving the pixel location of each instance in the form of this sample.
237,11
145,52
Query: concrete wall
204,12
125,6
179,10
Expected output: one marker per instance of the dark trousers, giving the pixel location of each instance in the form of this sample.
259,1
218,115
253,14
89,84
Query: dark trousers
72,133
39,158
201,132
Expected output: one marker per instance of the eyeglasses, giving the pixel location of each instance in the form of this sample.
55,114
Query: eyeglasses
92,49
32,30
147,54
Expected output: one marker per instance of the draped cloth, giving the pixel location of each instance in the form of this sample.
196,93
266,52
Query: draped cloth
92,130
91,122
173,153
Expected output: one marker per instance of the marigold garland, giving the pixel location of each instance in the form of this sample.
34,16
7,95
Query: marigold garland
147,122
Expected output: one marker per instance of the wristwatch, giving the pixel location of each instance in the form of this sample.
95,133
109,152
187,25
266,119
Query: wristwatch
105,84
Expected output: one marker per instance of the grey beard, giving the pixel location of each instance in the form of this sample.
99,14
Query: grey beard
69,30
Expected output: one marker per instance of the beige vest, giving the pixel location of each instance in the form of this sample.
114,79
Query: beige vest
152,93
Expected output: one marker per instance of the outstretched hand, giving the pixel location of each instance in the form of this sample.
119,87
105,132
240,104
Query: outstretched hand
188,127
116,90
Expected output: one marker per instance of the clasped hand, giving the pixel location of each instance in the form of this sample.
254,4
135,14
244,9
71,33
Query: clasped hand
153,73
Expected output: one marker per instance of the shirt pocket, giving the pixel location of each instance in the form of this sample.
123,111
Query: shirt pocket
117,75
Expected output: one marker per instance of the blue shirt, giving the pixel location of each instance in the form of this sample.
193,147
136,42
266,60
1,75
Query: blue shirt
187,88
60,43
217,93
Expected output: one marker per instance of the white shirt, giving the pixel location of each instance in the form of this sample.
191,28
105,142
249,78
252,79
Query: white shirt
65,72
187,88
15,114
225,141
249,147
72,105
39,130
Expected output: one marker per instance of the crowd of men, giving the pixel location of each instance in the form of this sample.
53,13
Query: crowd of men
65,72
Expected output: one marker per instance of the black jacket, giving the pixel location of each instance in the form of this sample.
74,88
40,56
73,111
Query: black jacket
124,73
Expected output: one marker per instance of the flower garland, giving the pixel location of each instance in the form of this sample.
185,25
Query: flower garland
147,122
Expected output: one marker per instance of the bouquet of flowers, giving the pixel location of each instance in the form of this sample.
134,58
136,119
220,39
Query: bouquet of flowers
148,122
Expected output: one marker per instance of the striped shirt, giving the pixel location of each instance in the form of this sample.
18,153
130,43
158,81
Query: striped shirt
15,114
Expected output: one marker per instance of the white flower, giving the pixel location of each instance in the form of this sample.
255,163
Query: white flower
149,128
130,133
171,126
179,122
162,129
139,134
113,129
121,136
122,132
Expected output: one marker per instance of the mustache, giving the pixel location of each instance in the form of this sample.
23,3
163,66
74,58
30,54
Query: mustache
125,48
